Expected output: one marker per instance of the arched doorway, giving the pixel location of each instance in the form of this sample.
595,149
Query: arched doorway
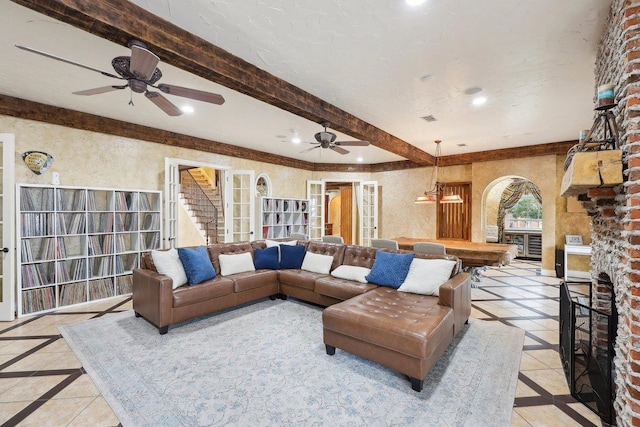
512,213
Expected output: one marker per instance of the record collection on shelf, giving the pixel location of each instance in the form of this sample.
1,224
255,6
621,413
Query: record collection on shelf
80,244
279,217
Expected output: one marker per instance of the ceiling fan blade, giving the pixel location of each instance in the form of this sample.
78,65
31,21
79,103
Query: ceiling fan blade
339,150
164,104
309,149
143,62
57,58
352,143
186,92
98,90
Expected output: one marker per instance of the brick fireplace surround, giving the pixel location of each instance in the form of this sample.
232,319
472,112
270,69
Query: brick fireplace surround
615,212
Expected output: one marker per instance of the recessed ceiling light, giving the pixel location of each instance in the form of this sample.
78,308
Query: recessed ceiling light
296,140
462,145
359,159
479,100
414,2
426,77
429,118
187,109
472,90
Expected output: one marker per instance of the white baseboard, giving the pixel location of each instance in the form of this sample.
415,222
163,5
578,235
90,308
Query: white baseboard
547,272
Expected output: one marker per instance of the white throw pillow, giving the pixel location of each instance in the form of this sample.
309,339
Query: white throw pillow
235,263
169,264
317,263
271,243
426,275
351,272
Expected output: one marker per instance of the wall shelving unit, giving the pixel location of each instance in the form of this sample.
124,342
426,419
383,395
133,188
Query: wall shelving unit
79,244
279,217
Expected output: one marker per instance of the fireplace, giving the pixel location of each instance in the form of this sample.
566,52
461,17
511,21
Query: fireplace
587,336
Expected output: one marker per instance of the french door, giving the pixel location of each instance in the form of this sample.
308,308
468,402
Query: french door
171,189
315,194
240,206
367,209
7,222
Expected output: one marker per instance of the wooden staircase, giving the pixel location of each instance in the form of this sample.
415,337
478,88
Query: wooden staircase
201,202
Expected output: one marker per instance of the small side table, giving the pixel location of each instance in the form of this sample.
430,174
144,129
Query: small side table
574,250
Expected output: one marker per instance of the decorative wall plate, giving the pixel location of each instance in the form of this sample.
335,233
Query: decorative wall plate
37,161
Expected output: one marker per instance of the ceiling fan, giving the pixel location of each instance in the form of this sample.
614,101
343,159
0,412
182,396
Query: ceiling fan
326,139
140,72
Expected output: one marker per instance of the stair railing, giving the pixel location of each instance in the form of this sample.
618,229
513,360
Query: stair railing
201,203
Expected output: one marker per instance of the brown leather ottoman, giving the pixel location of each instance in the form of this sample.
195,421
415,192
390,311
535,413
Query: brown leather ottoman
402,331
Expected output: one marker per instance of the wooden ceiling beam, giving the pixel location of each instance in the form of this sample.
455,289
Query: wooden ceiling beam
507,153
30,110
120,21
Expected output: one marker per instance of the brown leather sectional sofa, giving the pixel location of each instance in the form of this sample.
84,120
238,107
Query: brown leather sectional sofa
440,318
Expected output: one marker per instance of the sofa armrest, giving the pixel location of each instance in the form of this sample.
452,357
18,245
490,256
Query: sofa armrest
153,296
456,293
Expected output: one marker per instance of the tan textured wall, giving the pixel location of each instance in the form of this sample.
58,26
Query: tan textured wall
189,234
493,201
398,214
539,170
92,159
97,160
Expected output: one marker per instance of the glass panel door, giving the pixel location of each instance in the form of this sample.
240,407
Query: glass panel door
240,206
315,194
171,188
7,309
369,215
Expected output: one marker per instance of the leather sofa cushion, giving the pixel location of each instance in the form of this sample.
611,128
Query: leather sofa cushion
214,288
300,278
361,256
411,324
227,248
253,279
336,251
340,288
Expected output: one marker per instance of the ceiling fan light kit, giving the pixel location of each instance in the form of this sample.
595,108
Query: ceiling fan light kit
434,195
326,139
140,70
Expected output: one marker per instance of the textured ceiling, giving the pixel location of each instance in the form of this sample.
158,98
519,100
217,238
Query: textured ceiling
382,61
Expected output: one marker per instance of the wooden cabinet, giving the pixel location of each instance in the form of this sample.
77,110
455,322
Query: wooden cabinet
81,244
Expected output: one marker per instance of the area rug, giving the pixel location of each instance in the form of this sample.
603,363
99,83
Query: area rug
265,365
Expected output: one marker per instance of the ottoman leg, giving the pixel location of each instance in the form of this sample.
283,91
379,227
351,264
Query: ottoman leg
331,350
416,384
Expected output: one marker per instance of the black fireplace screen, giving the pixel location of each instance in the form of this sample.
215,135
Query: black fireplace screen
587,336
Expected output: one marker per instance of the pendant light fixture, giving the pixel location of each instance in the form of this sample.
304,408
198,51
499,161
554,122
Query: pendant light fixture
434,195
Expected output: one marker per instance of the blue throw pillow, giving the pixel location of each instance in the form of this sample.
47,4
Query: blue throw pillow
390,269
291,256
266,258
196,264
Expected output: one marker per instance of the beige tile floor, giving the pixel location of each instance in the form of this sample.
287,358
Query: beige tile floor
42,383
